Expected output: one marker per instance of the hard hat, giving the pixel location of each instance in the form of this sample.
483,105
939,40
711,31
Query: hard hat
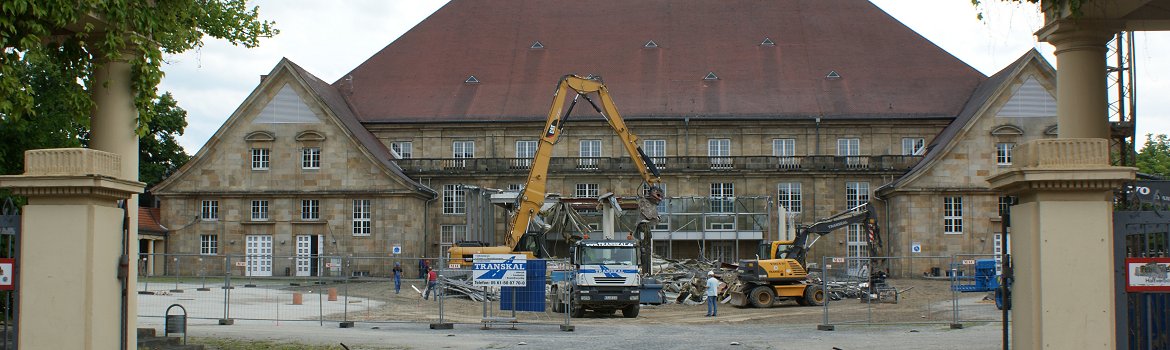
710,273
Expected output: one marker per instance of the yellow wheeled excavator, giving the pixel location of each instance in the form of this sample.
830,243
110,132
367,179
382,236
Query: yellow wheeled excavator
779,271
520,240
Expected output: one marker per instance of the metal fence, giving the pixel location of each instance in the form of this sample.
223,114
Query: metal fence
342,289
9,252
903,290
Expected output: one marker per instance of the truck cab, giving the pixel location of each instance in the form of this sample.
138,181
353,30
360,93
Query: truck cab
605,279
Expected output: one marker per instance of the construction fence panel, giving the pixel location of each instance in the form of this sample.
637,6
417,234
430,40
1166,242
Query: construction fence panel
314,288
863,291
974,280
536,303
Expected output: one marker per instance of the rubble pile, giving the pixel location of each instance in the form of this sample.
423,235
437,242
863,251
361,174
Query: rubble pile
685,281
462,285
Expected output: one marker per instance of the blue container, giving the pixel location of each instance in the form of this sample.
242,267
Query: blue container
531,296
651,292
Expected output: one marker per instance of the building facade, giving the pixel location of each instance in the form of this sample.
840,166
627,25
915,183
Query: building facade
746,106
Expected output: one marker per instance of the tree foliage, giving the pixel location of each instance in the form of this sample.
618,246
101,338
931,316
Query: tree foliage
159,152
80,34
1154,158
1073,6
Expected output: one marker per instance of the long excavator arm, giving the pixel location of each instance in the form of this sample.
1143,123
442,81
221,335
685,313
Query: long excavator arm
858,215
535,188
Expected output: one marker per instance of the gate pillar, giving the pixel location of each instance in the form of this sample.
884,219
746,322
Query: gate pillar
70,246
1061,242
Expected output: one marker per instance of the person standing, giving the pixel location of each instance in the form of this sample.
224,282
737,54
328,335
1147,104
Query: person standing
712,293
422,268
397,277
432,280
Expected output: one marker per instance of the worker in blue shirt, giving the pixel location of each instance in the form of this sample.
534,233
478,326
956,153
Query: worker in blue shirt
712,293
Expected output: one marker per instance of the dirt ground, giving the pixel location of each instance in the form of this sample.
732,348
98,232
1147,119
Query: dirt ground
919,301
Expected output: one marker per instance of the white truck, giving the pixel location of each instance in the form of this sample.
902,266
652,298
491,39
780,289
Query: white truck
604,279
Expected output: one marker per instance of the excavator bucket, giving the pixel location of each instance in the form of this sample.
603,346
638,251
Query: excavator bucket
738,298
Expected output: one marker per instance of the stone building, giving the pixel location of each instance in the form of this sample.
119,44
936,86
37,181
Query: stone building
816,106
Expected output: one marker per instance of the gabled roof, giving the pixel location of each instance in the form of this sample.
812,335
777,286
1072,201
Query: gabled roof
148,221
886,70
995,86
332,103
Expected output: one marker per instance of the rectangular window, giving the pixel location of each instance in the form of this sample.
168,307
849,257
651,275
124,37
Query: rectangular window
913,146
1005,204
656,150
515,187
462,150
721,251
209,210
1003,153
311,158
719,153
851,150
403,149
952,215
260,159
453,201
856,241
208,244
722,205
310,209
589,153
586,191
788,196
449,235
525,151
856,194
362,224
785,152
260,210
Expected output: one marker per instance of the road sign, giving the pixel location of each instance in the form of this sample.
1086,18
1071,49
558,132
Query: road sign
916,247
968,262
241,263
838,260
499,270
6,274
397,249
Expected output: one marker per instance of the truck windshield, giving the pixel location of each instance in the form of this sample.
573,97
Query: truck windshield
608,256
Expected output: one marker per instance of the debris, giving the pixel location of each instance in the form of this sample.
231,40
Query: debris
521,343
465,287
734,343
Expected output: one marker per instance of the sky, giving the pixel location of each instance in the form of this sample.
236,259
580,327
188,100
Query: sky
330,38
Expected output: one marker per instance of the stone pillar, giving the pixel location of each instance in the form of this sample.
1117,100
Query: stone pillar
70,248
114,129
1082,107
1063,294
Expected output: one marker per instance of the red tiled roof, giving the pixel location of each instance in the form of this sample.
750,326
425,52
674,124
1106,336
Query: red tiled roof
148,221
887,70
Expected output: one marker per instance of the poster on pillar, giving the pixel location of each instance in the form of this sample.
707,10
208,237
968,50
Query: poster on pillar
1147,275
6,282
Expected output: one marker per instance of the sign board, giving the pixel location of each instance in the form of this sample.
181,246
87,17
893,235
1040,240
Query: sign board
396,250
1147,275
454,266
916,247
828,266
838,260
328,265
241,263
499,270
968,262
6,276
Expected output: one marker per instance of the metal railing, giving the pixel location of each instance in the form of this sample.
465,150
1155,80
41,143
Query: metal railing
585,165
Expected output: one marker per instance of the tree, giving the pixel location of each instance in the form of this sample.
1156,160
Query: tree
79,35
1154,158
159,153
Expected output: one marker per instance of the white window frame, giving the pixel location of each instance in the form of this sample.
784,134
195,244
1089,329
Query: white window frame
589,152
310,209
656,150
209,210
1005,203
587,190
259,210
453,200
525,151
719,153
788,195
721,217
362,217
857,244
449,235
261,158
850,148
462,150
311,158
913,146
1003,153
208,244
953,215
404,149
785,152
721,251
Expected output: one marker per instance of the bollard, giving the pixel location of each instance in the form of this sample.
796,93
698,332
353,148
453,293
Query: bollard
332,294
297,298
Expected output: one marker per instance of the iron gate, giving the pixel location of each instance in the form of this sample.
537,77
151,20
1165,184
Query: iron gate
1142,317
9,244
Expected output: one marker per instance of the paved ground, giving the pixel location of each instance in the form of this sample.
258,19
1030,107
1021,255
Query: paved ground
714,335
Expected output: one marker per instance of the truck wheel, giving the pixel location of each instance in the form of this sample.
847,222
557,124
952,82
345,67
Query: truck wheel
577,312
814,296
557,304
631,311
761,296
